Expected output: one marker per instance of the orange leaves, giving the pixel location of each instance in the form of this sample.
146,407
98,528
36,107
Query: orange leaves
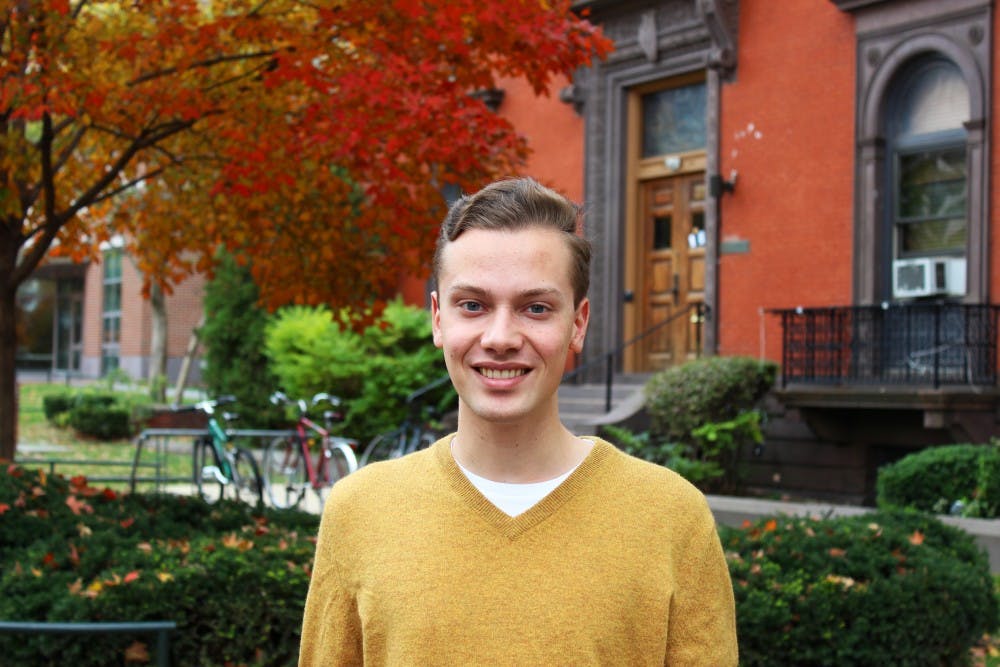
232,541
313,140
917,538
78,506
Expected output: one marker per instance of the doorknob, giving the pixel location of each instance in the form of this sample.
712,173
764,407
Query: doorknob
628,296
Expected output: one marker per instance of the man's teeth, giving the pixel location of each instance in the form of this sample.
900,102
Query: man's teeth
504,374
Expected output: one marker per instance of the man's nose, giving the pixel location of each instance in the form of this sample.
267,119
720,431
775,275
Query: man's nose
502,332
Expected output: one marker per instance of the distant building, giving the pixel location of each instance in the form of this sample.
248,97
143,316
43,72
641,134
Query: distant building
83,320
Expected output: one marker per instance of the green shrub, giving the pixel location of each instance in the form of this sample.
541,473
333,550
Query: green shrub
56,404
678,456
373,371
106,415
887,588
233,579
712,389
965,477
233,340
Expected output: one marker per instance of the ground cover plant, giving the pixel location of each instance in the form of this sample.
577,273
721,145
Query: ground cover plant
886,588
234,580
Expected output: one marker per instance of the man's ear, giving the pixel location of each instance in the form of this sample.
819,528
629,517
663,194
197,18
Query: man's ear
580,320
436,318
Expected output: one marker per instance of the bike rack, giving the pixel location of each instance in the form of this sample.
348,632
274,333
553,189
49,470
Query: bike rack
160,437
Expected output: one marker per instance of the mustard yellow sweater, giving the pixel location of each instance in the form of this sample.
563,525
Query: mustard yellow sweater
620,565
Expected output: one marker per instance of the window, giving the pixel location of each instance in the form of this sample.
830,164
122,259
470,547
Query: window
922,174
673,120
111,311
927,112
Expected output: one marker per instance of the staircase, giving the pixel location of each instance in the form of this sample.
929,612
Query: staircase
582,406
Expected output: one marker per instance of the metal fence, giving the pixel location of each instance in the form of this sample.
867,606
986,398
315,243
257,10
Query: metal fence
930,344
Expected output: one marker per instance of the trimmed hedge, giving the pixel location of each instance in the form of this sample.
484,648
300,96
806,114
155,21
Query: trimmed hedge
961,477
707,390
103,415
887,588
234,580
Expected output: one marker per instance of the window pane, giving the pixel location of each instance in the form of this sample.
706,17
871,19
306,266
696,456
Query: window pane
935,98
673,120
661,232
926,238
932,184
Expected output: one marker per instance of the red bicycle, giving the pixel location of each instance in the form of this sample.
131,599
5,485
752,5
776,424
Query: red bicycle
294,463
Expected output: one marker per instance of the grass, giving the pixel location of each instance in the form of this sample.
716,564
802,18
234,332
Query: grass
101,462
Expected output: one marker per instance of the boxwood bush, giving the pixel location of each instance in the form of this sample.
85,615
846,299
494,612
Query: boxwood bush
707,390
961,479
104,415
886,588
234,580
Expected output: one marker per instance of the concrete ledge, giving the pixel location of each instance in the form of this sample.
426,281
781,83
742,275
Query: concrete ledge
733,511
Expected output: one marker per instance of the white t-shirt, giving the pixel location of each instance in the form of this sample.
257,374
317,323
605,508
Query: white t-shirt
513,499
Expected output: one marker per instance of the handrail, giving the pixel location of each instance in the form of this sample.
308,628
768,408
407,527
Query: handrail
160,629
608,357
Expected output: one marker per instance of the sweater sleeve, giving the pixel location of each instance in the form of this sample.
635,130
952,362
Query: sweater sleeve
702,627
331,628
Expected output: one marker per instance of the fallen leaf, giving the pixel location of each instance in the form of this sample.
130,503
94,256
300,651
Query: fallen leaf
137,652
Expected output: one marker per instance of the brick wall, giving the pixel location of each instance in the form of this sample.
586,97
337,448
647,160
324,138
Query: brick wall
787,127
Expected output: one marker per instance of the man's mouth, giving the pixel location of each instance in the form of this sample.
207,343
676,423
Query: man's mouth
501,373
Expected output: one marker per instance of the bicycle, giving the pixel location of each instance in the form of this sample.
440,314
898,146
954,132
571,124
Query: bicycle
416,432
219,464
289,466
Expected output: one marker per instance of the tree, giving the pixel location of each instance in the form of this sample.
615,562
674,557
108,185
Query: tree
311,137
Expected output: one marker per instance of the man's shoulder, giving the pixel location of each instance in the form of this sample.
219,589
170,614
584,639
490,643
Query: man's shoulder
384,478
650,481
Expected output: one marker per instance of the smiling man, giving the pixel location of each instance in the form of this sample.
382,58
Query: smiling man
513,541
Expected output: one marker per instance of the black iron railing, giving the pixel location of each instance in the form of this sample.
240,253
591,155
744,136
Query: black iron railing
930,344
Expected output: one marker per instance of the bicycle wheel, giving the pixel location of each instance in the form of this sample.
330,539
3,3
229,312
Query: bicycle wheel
422,440
247,482
208,477
383,446
284,473
341,461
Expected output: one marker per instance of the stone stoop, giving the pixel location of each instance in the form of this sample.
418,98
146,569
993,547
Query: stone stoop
582,406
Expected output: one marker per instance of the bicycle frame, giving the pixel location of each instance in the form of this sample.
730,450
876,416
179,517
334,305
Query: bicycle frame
313,471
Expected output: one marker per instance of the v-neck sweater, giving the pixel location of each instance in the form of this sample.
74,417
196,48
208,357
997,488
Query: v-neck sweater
620,565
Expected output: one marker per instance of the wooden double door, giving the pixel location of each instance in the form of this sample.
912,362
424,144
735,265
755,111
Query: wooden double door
668,256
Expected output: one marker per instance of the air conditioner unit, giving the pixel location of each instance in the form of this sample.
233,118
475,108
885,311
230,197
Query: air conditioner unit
928,276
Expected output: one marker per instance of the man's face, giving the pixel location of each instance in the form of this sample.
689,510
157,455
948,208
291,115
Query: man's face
504,317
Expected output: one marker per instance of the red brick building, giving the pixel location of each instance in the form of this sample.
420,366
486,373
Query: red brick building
806,181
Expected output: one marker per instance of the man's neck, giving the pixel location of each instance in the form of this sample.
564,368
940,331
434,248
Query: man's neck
527,451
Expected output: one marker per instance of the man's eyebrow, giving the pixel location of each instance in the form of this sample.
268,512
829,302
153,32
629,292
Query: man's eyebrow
537,292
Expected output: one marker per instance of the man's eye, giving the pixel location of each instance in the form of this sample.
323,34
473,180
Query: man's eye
538,309
471,306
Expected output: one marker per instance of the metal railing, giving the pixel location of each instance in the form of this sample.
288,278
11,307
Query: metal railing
931,344
159,629
608,359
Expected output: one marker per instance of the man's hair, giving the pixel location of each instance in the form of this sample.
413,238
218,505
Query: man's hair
515,204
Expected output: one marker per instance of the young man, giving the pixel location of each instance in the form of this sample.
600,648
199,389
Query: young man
514,541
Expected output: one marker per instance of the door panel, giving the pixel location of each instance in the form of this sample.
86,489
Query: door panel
672,262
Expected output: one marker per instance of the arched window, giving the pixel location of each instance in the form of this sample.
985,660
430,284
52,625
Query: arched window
927,109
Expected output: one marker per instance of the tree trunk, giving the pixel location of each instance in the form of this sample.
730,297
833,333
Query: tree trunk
192,347
8,373
158,345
